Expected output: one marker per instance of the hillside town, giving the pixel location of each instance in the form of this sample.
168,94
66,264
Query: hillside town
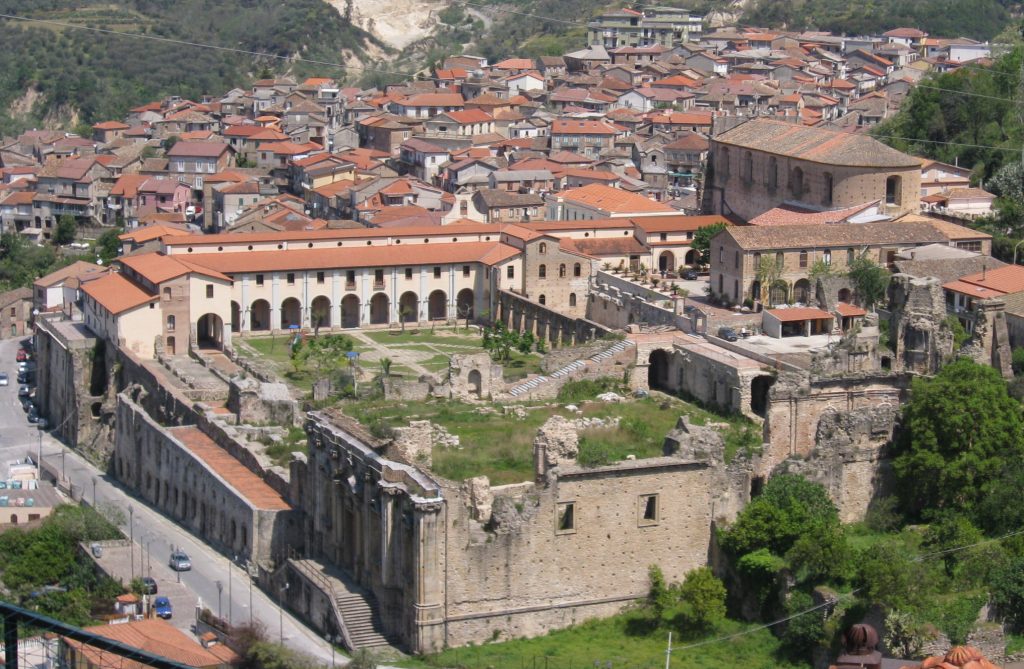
457,359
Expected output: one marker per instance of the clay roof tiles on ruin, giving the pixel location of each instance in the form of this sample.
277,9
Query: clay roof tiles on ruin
815,145
749,237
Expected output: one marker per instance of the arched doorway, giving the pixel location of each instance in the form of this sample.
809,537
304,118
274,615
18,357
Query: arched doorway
408,307
843,295
320,312
802,291
657,370
778,293
171,348
437,306
759,388
464,303
210,331
691,257
667,262
350,311
236,317
475,381
379,307
260,315
291,313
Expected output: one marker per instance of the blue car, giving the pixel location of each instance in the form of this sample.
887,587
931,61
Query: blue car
162,607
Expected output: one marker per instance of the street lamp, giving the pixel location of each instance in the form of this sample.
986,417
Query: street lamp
280,612
220,589
131,536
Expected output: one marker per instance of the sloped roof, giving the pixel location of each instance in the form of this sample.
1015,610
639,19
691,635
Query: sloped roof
116,294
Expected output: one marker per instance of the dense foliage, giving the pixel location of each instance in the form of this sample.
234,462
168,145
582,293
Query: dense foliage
21,263
100,76
961,431
979,19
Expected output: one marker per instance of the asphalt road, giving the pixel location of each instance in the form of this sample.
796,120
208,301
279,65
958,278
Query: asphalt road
153,532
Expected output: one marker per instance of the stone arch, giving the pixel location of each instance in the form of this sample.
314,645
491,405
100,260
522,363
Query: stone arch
350,311
759,387
291,312
210,331
464,303
572,299
843,295
475,382
802,291
320,312
409,307
667,262
236,317
691,257
658,369
259,314
437,306
778,293
379,305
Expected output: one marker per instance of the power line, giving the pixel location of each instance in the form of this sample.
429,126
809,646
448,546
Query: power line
973,95
935,141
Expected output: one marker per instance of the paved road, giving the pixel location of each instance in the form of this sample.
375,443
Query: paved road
152,531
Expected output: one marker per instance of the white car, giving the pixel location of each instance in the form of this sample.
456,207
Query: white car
4,379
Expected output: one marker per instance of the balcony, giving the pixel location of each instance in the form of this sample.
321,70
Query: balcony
378,285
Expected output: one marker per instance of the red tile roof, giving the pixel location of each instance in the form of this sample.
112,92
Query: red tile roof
116,294
613,200
800,314
849,310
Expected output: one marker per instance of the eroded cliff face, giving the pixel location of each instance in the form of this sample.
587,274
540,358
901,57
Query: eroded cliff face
397,23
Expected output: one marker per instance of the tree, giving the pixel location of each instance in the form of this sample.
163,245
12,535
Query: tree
961,431
768,272
108,246
385,367
65,231
870,281
324,356
822,556
701,241
820,270
266,655
806,632
888,576
1007,590
903,633
703,601
789,508
404,311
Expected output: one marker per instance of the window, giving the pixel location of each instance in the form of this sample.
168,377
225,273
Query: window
826,197
543,248
14,311
647,510
437,272
350,278
893,187
209,290
465,270
664,236
170,323
408,273
720,283
463,208
849,256
803,259
721,255
259,279
542,271
320,277
827,257
736,260
796,182
773,173
748,167
780,259
757,260
565,518
542,299
378,277
572,299
577,270
561,271
510,272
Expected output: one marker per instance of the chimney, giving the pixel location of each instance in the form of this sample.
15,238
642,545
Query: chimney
984,271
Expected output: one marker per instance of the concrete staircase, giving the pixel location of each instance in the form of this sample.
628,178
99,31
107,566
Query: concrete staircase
567,371
354,609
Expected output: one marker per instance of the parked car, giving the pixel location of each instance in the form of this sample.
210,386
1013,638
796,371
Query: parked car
162,607
690,275
149,585
180,561
4,379
728,334
26,377
33,415
22,355
26,366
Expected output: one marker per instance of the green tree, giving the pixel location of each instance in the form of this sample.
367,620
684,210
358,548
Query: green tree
952,530
821,556
66,230
660,598
701,241
385,367
806,632
904,633
323,356
1007,590
870,281
960,431
769,269
702,596
820,270
108,246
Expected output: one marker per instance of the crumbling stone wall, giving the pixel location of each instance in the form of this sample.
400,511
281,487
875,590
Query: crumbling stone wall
918,331
257,402
474,376
991,341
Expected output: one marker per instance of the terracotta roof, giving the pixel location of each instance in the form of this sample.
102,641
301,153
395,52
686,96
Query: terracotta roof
751,237
110,125
958,657
677,223
514,64
469,116
117,294
792,214
799,314
157,267
358,256
22,197
613,200
972,289
76,269
153,231
432,100
815,144
952,231
154,636
849,310
238,476
610,246
1008,279
582,127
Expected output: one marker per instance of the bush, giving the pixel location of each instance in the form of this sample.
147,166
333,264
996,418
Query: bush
883,515
1007,591
586,389
806,632
1017,361
703,601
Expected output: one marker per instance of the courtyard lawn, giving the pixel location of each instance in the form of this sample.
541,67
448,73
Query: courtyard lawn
425,336
500,446
620,642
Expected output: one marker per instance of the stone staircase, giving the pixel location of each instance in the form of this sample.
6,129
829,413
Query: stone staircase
567,371
354,609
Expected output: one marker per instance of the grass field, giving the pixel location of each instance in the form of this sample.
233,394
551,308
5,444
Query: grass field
620,642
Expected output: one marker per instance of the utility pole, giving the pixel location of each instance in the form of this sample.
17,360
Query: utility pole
668,651
131,536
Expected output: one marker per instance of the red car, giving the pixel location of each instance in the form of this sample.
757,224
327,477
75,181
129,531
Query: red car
22,355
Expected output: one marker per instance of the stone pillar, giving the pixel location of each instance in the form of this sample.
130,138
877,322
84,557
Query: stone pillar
428,526
306,315
393,299
453,314
363,279
336,296
244,315
388,503
275,302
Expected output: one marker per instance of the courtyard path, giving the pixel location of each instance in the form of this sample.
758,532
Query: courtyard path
397,355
